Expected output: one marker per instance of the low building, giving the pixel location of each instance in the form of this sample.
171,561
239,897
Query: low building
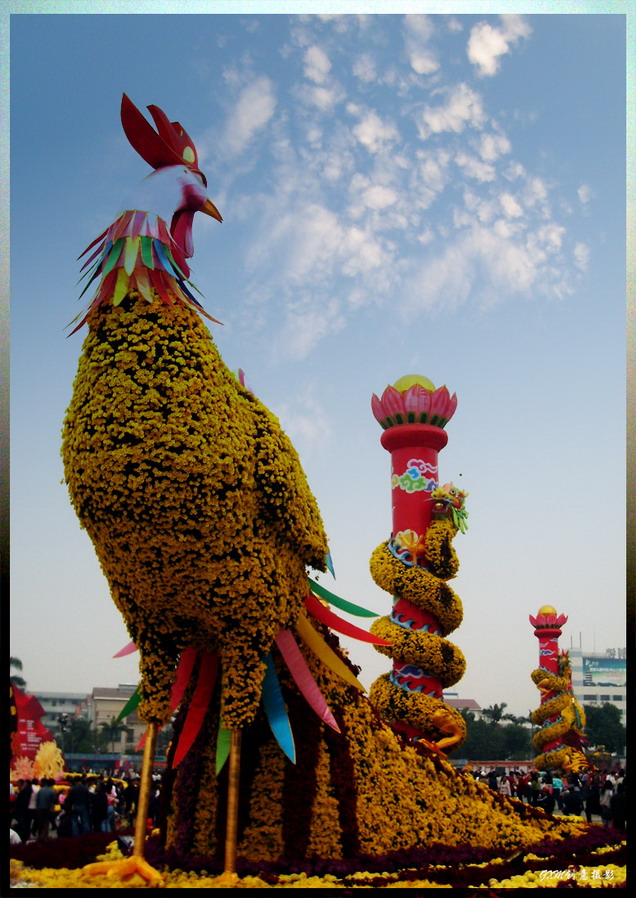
73,704
463,704
105,703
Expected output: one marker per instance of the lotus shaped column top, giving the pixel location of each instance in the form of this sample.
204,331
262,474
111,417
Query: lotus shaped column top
413,399
547,620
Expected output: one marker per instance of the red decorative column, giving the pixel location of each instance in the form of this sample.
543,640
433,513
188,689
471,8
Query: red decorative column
415,563
547,628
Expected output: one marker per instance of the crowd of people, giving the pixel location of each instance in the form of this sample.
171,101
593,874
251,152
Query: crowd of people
98,803
102,803
593,794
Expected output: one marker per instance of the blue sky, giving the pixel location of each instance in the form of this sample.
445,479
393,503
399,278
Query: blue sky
439,194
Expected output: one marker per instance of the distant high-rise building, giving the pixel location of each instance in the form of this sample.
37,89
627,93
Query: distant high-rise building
600,677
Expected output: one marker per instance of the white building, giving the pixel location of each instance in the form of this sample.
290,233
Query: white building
73,704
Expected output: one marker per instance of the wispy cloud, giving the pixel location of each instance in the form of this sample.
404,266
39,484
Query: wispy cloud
418,32
317,65
357,209
371,131
462,107
584,194
253,109
306,423
487,43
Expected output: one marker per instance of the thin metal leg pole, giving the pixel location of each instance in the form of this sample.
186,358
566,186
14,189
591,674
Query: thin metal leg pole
145,786
232,802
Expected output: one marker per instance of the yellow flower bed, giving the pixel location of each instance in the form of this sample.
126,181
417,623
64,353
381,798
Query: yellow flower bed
601,876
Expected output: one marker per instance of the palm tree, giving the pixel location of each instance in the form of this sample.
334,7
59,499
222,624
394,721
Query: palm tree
495,712
513,718
15,679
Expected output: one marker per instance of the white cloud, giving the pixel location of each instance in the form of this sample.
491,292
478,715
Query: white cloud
252,111
306,423
371,131
364,68
581,256
324,98
584,193
475,168
377,196
490,262
463,107
492,146
487,43
304,328
418,31
510,205
317,65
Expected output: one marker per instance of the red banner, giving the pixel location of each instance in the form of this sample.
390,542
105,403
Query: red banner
31,733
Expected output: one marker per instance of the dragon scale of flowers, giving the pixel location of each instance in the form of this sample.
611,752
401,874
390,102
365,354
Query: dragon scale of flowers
415,565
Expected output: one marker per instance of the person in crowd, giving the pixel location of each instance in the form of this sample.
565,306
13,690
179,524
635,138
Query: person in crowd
492,780
618,807
504,785
33,826
605,798
557,787
572,801
545,800
155,801
535,788
99,808
592,803
131,794
77,804
21,809
45,802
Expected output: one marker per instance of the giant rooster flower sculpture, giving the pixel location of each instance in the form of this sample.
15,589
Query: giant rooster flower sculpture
193,496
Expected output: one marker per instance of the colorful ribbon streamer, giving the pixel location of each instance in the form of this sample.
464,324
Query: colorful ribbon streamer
303,677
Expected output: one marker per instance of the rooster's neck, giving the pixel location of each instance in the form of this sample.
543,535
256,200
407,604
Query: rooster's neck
138,252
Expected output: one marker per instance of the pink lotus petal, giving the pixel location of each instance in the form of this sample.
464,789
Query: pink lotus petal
452,406
376,408
440,402
417,400
392,401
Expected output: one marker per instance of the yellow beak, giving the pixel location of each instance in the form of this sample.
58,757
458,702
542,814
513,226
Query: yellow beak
210,209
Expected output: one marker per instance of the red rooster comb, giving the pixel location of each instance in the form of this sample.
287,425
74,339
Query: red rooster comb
170,144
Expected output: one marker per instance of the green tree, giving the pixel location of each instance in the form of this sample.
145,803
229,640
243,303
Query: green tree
76,735
15,678
603,727
484,740
522,721
517,742
110,734
489,740
494,713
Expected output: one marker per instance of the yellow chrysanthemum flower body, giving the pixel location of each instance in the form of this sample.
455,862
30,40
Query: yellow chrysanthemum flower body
361,792
426,649
558,716
193,497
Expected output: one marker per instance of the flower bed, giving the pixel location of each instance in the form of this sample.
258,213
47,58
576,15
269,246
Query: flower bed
596,859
